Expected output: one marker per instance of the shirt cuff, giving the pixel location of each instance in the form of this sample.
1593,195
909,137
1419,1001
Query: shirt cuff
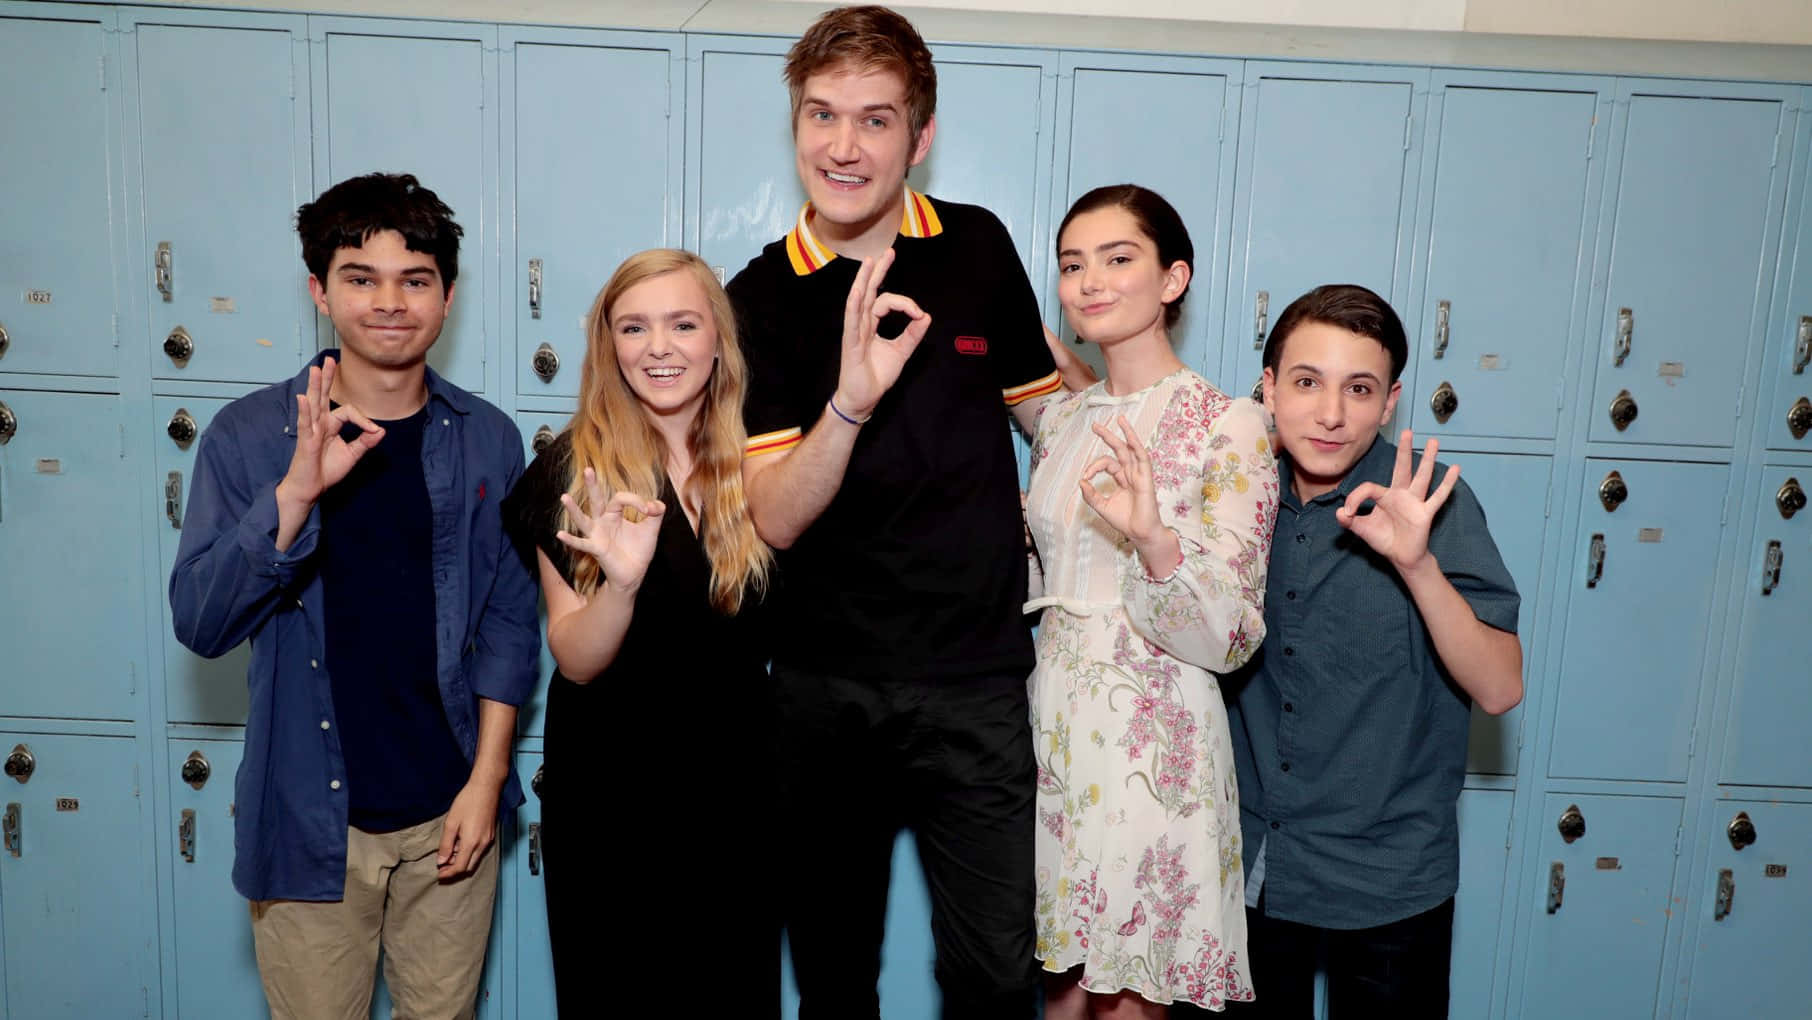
258,538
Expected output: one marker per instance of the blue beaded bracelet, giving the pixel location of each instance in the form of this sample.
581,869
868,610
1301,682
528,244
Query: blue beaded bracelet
832,402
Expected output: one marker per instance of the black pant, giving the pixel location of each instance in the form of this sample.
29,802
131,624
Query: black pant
1398,970
951,760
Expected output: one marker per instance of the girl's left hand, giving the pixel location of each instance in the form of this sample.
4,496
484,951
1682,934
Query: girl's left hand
1132,507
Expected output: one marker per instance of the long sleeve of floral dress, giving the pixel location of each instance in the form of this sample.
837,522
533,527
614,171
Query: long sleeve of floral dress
1211,611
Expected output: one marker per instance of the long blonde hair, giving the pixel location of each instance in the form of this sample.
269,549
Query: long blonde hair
612,435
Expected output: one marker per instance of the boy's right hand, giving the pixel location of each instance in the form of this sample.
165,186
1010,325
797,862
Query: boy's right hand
871,365
322,458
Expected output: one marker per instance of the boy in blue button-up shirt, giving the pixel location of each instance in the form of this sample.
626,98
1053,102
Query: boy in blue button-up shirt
1388,612
346,522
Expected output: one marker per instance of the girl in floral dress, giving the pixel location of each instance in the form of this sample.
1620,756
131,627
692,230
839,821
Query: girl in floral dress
1152,500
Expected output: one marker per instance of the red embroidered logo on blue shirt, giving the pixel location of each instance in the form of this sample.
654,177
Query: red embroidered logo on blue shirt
971,345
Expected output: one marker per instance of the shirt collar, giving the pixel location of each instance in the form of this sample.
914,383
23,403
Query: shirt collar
808,254
456,399
1375,466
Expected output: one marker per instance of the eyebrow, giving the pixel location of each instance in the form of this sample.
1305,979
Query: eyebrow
677,313
869,108
1318,372
1109,246
360,267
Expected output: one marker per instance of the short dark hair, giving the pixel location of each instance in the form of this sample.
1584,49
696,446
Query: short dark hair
868,38
1156,219
1350,307
349,213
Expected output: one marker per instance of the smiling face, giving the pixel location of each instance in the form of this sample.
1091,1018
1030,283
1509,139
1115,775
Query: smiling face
1330,392
666,343
1111,282
387,303
852,147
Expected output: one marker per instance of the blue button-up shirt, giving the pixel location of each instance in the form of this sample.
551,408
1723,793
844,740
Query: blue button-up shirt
231,583
1349,736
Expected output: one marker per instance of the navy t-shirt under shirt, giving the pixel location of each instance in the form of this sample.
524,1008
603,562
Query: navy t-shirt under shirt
403,766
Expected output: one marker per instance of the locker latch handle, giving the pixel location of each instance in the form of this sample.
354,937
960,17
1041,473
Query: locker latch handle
534,848
534,288
173,499
1626,331
185,835
1771,568
1557,886
1802,347
1726,894
1595,562
1443,309
1261,319
10,828
164,265
545,361
5,341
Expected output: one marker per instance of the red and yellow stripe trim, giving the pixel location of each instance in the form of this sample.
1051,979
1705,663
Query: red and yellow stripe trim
772,442
1036,388
808,254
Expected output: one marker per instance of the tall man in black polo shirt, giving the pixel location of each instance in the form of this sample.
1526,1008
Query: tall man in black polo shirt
882,470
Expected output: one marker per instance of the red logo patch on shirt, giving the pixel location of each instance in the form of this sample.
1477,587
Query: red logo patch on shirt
481,492
971,345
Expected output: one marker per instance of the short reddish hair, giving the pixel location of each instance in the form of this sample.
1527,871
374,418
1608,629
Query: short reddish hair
867,38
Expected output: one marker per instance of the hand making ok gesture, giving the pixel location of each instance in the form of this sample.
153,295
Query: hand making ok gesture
1397,528
620,534
321,458
872,364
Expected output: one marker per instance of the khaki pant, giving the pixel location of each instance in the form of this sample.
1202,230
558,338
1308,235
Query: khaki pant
319,960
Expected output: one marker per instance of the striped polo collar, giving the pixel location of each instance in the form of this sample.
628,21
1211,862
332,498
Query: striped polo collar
808,254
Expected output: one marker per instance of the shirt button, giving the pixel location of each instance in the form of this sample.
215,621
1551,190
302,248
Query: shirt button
1276,825
314,664
1290,595
1289,651
444,421
1285,766
1302,538
1289,706
336,785
326,725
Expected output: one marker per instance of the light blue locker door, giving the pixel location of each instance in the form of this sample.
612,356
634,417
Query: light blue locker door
216,966
74,896
528,898
1120,120
196,690
1771,703
1478,908
222,171
1697,200
63,480
587,194
1755,915
418,98
1642,578
57,296
1324,194
1503,258
741,187
538,428
1513,488
1599,907
1787,369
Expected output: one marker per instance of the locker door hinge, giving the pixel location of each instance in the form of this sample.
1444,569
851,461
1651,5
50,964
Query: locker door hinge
1547,511
116,331
1678,830
1742,390
132,692
1774,155
122,441
1560,394
1510,826
1692,746
1591,133
144,997
103,63
292,80
1408,123
1724,510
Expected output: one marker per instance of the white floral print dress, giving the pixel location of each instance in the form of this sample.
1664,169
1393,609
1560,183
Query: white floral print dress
1138,845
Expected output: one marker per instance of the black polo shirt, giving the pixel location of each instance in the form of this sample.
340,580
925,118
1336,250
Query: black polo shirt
917,567
1349,736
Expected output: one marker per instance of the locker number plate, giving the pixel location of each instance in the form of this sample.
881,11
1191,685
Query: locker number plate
68,804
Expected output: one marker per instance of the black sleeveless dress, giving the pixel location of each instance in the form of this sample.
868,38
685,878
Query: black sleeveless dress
657,791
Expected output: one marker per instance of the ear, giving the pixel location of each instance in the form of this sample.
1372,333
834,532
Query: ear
1390,402
922,146
1269,383
1176,280
318,293
448,303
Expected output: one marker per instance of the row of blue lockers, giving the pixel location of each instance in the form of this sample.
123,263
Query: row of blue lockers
1604,278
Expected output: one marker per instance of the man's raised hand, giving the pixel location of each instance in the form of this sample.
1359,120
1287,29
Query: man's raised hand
1397,528
871,365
